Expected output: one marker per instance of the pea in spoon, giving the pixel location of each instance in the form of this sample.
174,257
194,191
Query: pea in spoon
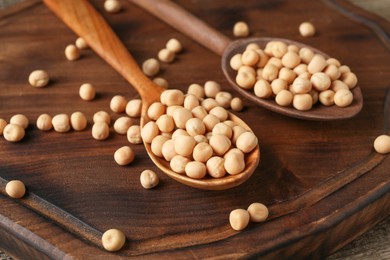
86,22
196,29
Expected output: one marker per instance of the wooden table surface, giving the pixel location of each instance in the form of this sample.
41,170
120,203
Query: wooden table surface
373,245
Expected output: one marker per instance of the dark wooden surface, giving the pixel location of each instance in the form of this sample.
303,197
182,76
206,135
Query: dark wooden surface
300,159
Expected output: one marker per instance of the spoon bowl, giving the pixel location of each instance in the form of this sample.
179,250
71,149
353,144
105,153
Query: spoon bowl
196,29
87,23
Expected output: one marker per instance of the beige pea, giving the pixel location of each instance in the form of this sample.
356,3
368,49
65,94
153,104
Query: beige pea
326,97
184,145
178,163
209,103
78,121
307,29
172,97
171,109
332,71
300,69
220,144
210,121
245,80
246,142
168,150
237,131
122,125
211,88
239,219
61,123
149,131
287,74
112,6
118,104
350,79
151,67
337,85
166,55
263,58
113,240
284,98
15,189
234,163
195,126
72,53
44,122
247,69
301,85
235,61
3,123
250,57
344,69
314,95
302,102
320,81
223,99
236,104
38,78
157,145
100,131
222,129
180,117
199,112
230,123
201,139
161,82
291,60
165,123
258,212
134,108
219,112
134,134
276,61
305,75
174,45
202,152
191,101
124,155
102,116
87,92
81,43
382,144
343,98
278,85
148,179
196,90
240,29
215,167
278,49
13,133
156,110
317,64
19,119
178,132
263,89
293,48
306,55
195,169
270,72
333,61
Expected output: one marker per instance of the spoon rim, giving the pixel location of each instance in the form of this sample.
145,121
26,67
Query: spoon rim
318,112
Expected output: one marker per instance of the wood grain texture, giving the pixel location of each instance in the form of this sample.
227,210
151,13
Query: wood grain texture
174,220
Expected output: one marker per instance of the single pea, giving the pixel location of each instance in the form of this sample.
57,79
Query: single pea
191,101
180,117
209,103
332,71
149,179
113,240
222,129
102,116
350,79
172,97
72,53
44,122
219,112
220,144
168,150
112,6
195,169
134,134
240,29
210,121
165,123
157,145
301,85
100,131
236,104
307,29
237,131
165,55
3,123
287,74
78,121
81,43
122,125
293,48
178,132
317,64
344,69
320,81
195,126
284,98
199,112
333,61
124,155
291,60
61,123
174,45
15,189
258,212
201,139
196,90
87,92
156,110
382,144
279,49
306,55
184,145
276,62
202,152
19,119
178,163
235,61
234,163
151,67
224,99
300,69
343,98
161,82
134,108
250,57
38,78
278,85
239,219
245,80
211,88
149,131
263,89
215,167
118,104
270,72
326,97
302,102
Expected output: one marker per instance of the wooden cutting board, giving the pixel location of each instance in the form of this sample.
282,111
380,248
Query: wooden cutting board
322,181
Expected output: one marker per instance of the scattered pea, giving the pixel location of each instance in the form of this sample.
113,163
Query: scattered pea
257,212
240,29
100,131
174,45
87,92
38,78
72,53
211,88
102,116
61,123
44,122
161,82
134,134
382,144
15,189
78,121
112,6
3,123
307,29
236,104
81,43
134,108
122,125
19,119
118,104
151,67
149,131
166,55
124,155
149,179
239,219
113,240
13,133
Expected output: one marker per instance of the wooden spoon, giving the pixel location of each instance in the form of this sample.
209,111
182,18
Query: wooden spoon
185,22
85,21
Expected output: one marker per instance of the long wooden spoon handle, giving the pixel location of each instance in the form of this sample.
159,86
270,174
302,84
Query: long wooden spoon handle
186,23
86,22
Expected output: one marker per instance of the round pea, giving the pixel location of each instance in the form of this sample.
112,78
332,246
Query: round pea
124,155
149,179
61,123
382,144
258,212
15,189
113,240
239,219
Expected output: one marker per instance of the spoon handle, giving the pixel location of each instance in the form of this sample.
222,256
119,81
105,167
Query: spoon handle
186,23
86,22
